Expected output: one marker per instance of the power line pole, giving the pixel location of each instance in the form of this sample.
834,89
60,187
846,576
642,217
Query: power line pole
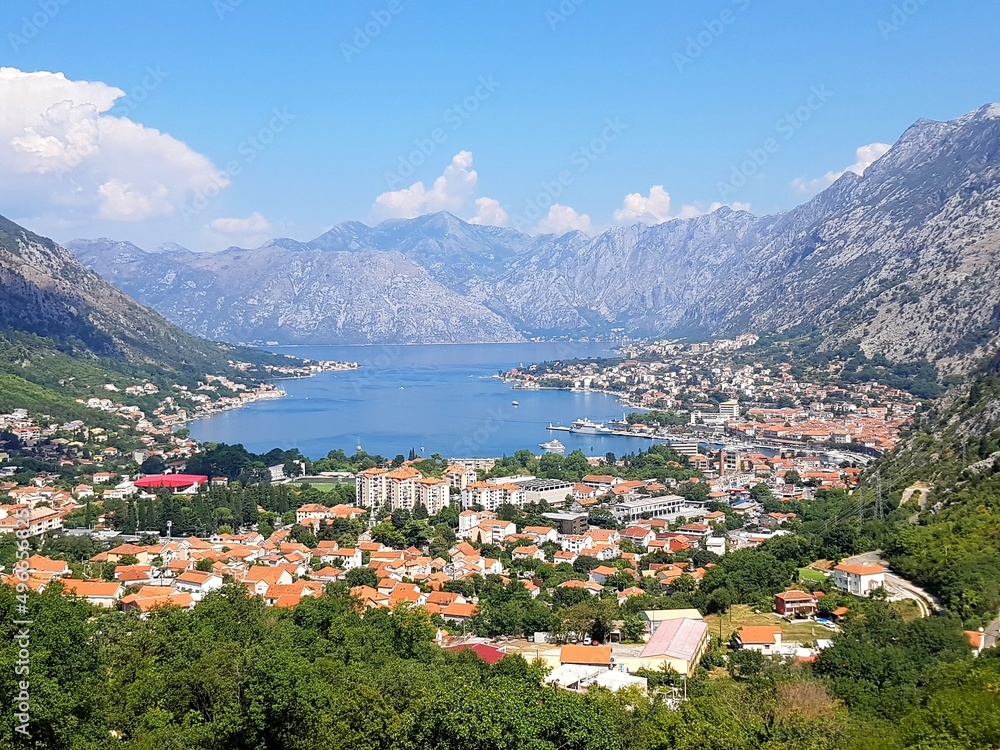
878,495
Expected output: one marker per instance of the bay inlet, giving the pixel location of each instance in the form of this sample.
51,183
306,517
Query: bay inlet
439,398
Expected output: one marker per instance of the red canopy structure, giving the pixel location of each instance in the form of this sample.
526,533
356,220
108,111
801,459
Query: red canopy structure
172,481
489,654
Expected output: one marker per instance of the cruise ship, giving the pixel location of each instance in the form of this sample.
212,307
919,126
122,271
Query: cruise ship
621,425
586,427
555,446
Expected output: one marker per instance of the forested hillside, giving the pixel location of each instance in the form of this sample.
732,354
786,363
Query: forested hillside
234,675
64,331
950,539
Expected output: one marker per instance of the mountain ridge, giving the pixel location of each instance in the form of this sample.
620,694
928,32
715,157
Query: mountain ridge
896,259
65,331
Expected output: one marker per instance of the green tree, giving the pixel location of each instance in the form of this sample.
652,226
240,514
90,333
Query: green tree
153,465
388,535
361,577
745,664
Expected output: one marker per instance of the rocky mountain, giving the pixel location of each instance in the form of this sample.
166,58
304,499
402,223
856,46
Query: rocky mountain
47,295
289,292
900,260
455,253
65,332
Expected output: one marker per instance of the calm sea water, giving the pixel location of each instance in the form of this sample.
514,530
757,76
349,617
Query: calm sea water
433,398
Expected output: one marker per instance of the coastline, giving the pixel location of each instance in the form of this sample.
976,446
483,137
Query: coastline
621,399
273,393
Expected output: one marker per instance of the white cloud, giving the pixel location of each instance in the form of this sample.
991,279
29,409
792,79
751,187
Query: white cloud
649,209
65,157
255,223
490,212
562,219
453,191
121,202
251,231
866,156
655,208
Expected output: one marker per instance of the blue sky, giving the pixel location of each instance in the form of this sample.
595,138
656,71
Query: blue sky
318,107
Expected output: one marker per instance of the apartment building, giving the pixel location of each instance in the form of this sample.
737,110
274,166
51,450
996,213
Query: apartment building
401,489
491,496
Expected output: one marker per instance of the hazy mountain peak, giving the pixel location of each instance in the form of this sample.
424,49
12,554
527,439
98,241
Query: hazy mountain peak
172,247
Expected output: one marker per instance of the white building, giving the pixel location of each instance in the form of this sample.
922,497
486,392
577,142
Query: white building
765,639
858,578
716,545
552,491
459,477
470,519
648,507
576,543
198,583
433,494
491,496
345,558
31,521
730,409
371,488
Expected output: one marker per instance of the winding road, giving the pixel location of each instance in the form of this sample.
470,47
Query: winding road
900,588
993,633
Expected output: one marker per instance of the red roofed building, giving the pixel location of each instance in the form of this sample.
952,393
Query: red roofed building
762,638
172,481
795,604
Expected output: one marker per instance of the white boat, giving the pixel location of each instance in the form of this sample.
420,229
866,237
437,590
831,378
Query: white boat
586,427
514,403
555,446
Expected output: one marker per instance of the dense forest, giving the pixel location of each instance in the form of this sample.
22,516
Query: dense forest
949,539
234,675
